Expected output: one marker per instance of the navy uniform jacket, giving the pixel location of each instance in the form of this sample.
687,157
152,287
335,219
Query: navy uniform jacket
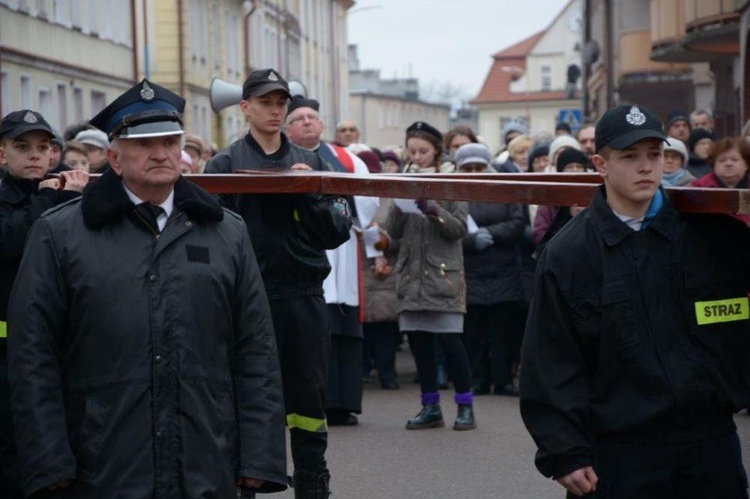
143,366
290,232
636,334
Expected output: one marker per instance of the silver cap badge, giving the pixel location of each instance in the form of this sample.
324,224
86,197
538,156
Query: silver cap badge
635,116
30,117
147,93
272,76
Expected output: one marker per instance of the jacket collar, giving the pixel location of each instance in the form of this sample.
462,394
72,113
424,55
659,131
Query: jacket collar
105,200
16,190
614,230
280,153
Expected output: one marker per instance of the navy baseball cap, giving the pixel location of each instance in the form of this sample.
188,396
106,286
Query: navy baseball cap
263,81
144,110
19,122
623,126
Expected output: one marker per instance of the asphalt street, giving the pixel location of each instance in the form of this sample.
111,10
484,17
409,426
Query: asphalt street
379,458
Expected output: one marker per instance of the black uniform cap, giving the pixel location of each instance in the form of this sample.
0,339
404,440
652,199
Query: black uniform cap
623,126
145,110
19,122
299,101
263,81
421,126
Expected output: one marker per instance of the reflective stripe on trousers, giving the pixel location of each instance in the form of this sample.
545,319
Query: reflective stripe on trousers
305,423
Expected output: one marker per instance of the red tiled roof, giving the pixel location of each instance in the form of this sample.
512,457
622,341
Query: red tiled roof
520,49
496,86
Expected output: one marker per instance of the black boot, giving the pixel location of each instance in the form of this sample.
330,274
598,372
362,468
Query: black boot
429,417
311,485
465,418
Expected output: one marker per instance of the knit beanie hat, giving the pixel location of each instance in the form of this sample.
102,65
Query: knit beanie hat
514,125
676,115
562,141
571,155
539,148
697,135
676,145
371,160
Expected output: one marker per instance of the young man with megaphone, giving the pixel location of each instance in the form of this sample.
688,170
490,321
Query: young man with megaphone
290,233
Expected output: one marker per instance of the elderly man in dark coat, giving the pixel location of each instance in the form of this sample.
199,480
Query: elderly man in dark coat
142,357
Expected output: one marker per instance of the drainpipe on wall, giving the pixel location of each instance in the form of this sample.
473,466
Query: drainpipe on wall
335,64
134,33
146,57
180,49
609,54
585,63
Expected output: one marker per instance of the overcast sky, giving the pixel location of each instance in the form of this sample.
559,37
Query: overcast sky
443,40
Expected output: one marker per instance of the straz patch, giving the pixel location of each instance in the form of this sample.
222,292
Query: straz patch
713,312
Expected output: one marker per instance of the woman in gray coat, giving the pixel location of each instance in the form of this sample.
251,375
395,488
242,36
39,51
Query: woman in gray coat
430,289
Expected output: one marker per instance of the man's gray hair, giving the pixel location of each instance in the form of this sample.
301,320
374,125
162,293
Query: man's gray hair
699,112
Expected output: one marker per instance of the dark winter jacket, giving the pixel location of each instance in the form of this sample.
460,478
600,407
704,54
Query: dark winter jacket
143,366
20,205
290,232
493,274
636,336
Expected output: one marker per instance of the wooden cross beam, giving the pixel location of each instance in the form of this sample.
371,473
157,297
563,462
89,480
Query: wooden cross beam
557,189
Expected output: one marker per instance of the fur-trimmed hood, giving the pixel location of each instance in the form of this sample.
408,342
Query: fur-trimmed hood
105,200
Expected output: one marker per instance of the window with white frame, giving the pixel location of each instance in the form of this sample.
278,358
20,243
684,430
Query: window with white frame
198,31
270,54
45,103
546,72
216,33
233,40
41,9
76,14
98,101
78,104
62,12
26,92
62,104
4,94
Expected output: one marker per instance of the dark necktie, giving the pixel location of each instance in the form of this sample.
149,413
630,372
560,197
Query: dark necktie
150,213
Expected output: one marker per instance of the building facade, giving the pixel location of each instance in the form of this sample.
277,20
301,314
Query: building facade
384,108
536,80
69,58
66,58
668,54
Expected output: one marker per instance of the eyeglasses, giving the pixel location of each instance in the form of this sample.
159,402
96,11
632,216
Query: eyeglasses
303,117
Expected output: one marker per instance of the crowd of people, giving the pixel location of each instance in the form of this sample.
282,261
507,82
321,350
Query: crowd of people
103,352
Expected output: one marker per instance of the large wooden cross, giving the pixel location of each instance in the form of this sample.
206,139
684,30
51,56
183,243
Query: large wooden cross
557,189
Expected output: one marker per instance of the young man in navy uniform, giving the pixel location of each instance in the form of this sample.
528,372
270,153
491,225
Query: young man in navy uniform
630,379
290,233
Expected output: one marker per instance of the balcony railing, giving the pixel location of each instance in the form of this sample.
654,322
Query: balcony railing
634,50
700,13
667,21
